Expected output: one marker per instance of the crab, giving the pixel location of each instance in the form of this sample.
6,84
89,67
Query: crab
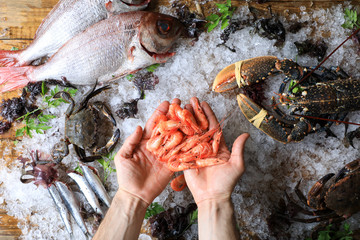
334,197
82,126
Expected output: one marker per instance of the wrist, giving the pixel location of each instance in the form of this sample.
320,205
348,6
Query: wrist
215,199
130,200
216,219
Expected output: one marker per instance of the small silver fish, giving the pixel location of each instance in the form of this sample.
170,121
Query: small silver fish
109,49
72,204
87,191
64,212
96,184
65,20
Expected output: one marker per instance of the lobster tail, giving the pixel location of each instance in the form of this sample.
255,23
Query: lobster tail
12,78
9,58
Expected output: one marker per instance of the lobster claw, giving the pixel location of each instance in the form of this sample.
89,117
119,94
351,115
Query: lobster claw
260,118
244,73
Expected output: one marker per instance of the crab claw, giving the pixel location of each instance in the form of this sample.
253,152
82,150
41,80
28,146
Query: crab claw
244,73
260,118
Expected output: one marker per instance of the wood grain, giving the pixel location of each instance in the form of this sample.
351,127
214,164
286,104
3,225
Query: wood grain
19,20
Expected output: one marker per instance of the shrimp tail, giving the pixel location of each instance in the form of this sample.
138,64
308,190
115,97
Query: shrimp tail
178,183
12,78
9,58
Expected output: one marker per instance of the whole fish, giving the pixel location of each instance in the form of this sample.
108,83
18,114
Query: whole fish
64,212
87,191
96,184
65,20
109,49
73,206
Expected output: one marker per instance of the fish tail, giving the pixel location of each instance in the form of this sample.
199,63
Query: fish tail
12,78
9,58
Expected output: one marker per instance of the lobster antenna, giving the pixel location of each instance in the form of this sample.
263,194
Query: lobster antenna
326,119
357,30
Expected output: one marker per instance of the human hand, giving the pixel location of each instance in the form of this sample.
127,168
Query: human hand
138,171
217,182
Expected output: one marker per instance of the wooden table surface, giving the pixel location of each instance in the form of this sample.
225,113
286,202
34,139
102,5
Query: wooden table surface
19,20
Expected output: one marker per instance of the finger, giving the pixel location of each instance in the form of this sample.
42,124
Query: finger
130,144
213,122
237,154
176,101
161,109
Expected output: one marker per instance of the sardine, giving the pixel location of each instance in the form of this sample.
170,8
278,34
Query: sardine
87,191
65,20
96,184
109,49
72,204
64,212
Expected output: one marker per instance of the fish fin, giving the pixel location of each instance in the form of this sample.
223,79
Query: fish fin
131,54
12,78
8,58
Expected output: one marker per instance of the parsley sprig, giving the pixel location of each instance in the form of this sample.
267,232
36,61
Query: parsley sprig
351,19
106,163
329,233
38,122
153,209
226,13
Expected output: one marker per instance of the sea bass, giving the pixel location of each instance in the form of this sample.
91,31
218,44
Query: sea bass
65,20
109,49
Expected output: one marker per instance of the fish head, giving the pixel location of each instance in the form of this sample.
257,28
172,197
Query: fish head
158,32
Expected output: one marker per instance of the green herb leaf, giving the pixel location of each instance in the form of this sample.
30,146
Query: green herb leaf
193,217
226,12
153,209
78,169
212,17
14,49
129,76
153,67
106,163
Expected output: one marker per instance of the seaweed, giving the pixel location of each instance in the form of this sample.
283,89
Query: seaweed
313,49
271,28
128,109
171,223
4,126
194,25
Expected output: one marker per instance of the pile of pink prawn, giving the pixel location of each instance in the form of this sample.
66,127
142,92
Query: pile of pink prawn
183,141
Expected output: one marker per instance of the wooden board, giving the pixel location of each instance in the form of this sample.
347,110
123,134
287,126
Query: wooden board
19,20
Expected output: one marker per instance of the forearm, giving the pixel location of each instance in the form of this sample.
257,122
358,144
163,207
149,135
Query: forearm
216,220
123,219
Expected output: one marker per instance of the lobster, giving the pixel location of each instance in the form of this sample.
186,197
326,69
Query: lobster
328,93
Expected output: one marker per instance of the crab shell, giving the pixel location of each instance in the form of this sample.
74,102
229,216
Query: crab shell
344,196
81,128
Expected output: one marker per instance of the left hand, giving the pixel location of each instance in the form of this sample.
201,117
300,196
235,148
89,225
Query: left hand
138,171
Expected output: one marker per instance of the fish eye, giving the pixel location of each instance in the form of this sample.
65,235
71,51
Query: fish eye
163,26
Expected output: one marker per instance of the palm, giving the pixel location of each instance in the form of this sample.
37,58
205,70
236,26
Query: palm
217,181
138,172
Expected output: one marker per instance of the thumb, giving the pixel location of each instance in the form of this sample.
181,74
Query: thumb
237,153
130,143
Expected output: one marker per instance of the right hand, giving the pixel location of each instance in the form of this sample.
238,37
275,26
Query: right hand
217,182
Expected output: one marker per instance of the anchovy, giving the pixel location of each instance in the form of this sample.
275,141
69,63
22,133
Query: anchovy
96,184
87,191
108,50
65,20
64,212
73,206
